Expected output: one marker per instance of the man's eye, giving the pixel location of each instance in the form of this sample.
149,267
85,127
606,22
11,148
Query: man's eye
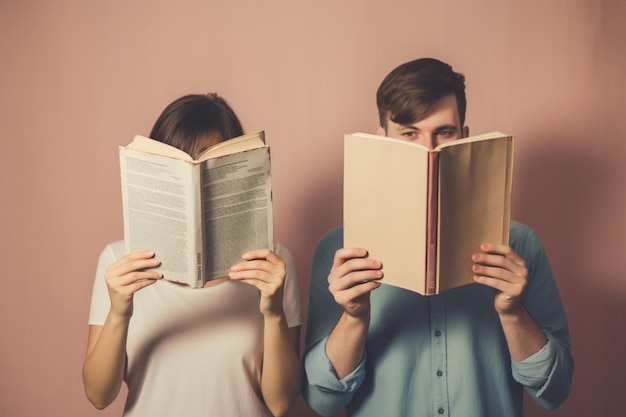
446,133
410,134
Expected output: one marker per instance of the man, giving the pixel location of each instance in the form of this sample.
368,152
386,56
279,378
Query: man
383,351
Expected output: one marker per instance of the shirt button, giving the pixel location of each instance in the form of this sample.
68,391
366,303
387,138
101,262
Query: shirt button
439,373
441,411
437,333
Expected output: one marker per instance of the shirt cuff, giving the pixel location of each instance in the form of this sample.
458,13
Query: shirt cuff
320,371
534,371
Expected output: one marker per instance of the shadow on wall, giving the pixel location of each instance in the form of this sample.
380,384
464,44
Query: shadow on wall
562,193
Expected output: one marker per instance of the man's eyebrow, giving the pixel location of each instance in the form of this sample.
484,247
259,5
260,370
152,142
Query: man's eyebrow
447,127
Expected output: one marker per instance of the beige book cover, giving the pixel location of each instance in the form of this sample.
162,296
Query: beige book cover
386,205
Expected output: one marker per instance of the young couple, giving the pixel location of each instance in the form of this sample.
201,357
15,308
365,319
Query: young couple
468,352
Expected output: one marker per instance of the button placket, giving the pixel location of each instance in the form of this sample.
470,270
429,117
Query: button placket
439,355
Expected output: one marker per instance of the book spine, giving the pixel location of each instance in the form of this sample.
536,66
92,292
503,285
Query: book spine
198,230
431,225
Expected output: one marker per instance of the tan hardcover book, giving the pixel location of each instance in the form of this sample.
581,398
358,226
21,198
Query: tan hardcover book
198,216
424,212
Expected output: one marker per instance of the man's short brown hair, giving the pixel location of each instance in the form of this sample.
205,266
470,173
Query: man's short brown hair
408,92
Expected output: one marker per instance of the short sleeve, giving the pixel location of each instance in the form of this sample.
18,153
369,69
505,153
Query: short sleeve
100,302
291,295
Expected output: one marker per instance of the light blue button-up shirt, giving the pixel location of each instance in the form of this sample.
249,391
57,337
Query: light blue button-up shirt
442,355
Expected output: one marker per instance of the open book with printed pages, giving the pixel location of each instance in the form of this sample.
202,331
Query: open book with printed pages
198,216
423,212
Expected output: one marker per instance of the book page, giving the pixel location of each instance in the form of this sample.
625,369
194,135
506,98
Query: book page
159,212
385,205
237,208
245,142
475,138
474,203
241,143
147,145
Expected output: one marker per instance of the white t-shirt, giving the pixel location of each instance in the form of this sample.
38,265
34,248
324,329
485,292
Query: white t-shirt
194,352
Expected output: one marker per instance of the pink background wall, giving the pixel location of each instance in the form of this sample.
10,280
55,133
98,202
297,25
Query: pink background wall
79,78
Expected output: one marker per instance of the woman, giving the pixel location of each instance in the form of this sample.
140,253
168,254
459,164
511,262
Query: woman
229,349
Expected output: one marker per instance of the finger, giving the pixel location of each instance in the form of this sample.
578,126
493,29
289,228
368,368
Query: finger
505,287
132,269
355,278
348,268
351,294
260,254
250,274
135,256
493,260
114,278
496,284
345,254
500,279
258,269
500,261
127,282
133,262
494,272
262,265
263,259
504,250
